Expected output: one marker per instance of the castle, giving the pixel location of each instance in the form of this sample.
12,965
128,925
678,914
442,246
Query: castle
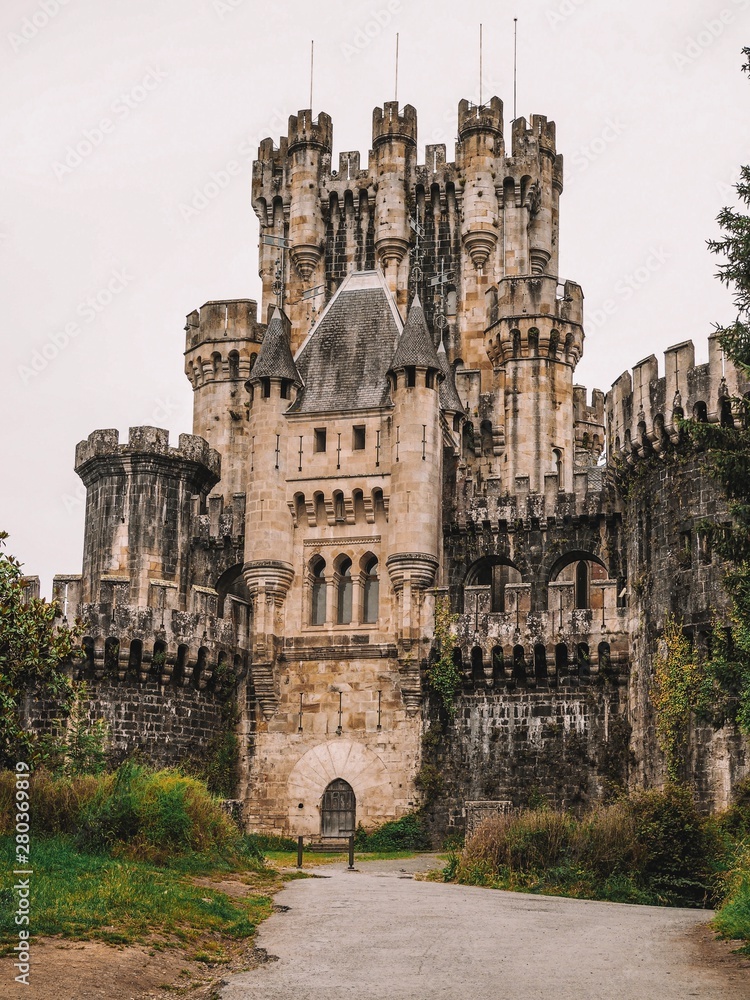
399,426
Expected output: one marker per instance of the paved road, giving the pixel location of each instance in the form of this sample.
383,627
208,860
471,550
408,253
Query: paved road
376,934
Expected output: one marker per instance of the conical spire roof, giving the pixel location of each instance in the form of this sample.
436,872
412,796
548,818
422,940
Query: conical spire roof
275,356
449,398
415,347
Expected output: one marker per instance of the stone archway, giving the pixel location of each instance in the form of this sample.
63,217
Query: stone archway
335,759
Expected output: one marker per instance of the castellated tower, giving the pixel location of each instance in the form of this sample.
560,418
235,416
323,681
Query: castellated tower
222,343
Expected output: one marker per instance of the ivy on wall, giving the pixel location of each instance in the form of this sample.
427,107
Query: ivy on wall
444,677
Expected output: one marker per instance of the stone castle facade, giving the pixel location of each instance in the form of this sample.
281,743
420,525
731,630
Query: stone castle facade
401,425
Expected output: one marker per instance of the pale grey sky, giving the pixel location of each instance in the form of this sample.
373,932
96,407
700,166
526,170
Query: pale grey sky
101,260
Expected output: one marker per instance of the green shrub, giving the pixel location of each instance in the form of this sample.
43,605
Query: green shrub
405,834
653,848
733,917
671,835
153,815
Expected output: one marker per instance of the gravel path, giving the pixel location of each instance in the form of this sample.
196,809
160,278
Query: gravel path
377,934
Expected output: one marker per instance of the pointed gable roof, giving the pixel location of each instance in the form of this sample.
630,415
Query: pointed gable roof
415,347
275,356
344,359
449,398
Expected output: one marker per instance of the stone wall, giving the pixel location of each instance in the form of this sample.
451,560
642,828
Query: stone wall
673,571
524,748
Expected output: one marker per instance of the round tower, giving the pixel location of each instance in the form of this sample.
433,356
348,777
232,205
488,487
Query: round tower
481,150
416,467
138,501
268,569
535,343
222,341
309,151
394,144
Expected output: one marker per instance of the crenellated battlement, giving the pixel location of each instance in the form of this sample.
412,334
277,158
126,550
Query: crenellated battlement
492,505
540,134
223,320
534,315
304,130
644,409
388,124
480,118
143,442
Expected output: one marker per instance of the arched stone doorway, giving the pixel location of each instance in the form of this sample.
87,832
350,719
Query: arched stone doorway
338,810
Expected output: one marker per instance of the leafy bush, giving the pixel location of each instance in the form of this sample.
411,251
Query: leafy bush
405,834
733,917
270,842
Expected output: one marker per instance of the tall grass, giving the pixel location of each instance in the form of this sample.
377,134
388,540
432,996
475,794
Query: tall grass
650,848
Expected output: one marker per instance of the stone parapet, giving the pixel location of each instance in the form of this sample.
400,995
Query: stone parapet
644,409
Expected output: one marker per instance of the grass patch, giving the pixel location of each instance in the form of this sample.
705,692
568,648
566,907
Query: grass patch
120,901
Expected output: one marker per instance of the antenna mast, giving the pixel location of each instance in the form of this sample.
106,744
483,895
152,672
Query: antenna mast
515,67
312,66
480,65
395,95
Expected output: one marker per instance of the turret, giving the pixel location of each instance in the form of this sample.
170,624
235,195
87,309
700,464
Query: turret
222,341
394,144
532,223
535,340
138,501
268,568
416,467
481,153
309,150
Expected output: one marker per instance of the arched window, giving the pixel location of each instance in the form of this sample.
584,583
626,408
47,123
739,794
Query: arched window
519,665
344,592
477,664
540,662
498,666
371,592
561,658
318,591
582,585
584,658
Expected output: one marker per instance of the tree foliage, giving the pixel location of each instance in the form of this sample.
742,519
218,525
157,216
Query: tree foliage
33,653
727,451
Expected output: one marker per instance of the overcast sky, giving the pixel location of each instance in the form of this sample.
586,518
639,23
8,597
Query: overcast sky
118,118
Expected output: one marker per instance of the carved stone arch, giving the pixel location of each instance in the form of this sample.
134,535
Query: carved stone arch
363,769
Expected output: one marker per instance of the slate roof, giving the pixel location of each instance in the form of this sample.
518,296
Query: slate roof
415,348
449,398
275,356
346,356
